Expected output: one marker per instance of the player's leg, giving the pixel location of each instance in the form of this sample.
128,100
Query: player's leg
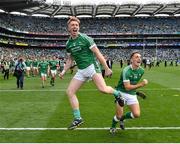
116,118
52,74
54,77
45,77
27,71
42,79
135,110
134,113
101,85
95,74
73,87
34,71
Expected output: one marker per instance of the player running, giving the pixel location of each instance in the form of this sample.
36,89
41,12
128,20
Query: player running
84,51
35,66
127,85
53,64
28,63
43,68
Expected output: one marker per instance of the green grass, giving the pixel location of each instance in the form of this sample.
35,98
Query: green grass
50,108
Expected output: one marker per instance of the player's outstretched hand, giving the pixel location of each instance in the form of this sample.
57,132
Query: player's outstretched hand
141,94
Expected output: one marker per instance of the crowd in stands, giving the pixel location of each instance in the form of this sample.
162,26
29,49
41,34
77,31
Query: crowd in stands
151,25
100,42
115,54
32,24
15,52
159,54
151,48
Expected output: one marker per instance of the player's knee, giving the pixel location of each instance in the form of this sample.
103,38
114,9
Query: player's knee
68,92
136,114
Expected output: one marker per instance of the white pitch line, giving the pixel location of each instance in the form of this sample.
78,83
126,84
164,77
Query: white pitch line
104,128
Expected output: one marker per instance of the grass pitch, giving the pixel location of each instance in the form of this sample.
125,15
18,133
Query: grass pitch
35,108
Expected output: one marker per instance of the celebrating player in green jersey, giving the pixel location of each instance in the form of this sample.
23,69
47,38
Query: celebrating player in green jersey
84,51
35,63
28,63
127,85
53,64
43,68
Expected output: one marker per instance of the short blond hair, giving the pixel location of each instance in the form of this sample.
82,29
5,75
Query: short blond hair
73,18
133,53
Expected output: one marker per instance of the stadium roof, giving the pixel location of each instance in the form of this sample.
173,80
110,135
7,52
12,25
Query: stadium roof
55,9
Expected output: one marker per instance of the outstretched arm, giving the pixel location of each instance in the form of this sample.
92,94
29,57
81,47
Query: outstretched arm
101,59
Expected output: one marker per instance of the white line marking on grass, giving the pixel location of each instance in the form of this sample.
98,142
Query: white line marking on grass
54,90
176,95
104,128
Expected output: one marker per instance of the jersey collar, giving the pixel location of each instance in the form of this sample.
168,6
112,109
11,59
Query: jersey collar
133,68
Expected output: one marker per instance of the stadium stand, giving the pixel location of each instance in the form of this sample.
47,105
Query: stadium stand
156,37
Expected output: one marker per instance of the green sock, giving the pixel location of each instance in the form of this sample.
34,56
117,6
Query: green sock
116,93
76,113
114,122
128,115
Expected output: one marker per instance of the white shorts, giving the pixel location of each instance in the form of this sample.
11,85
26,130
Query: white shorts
54,72
85,74
129,99
43,75
35,68
28,68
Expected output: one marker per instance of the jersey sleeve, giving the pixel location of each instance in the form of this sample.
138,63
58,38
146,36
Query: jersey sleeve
90,41
68,50
125,76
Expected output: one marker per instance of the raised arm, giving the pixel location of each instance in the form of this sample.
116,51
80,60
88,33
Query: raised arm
101,59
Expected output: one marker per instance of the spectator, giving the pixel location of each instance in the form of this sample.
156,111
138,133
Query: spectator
20,68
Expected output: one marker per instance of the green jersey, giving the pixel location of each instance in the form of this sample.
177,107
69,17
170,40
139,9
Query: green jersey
35,63
43,66
133,76
80,50
53,64
28,63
